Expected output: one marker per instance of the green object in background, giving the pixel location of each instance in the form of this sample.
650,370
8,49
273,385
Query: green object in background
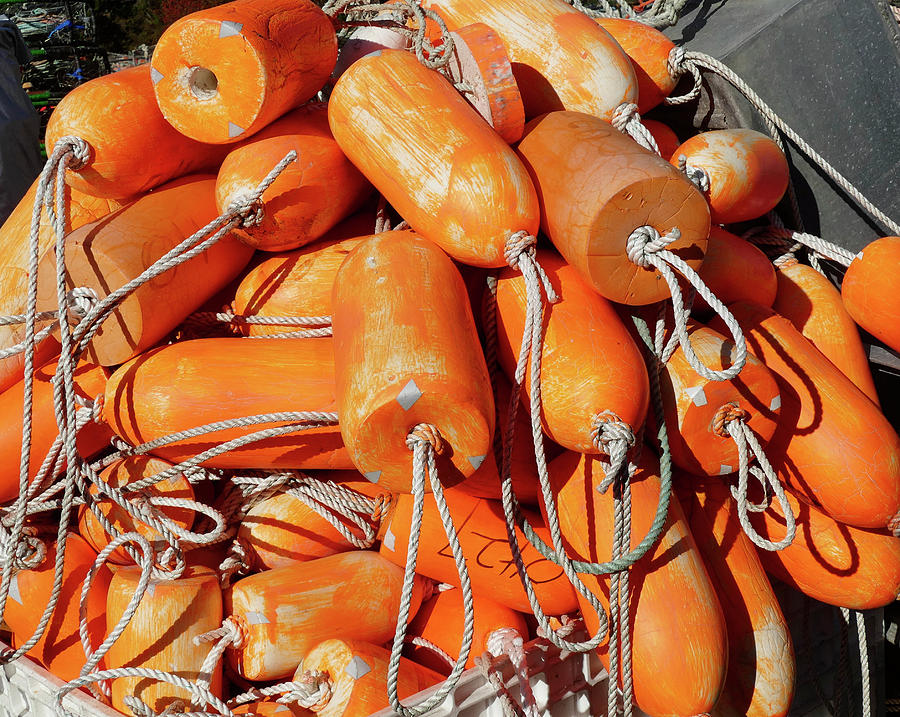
43,150
37,51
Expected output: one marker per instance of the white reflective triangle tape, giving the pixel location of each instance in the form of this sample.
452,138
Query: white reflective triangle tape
234,130
725,469
776,403
357,668
14,589
476,461
373,476
389,539
408,395
155,75
229,28
256,618
696,394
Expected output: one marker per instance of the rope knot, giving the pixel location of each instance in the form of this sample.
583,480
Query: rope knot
78,150
425,433
623,114
30,553
675,62
381,503
518,243
607,427
249,209
727,413
313,691
645,241
97,408
698,176
79,301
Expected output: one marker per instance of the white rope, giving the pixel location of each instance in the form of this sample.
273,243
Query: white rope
698,176
627,120
319,326
660,14
507,641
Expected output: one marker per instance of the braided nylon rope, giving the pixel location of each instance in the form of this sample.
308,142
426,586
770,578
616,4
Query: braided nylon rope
507,641
627,120
660,14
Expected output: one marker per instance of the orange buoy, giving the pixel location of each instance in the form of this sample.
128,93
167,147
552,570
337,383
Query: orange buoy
227,379
357,672
309,197
868,294
133,148
367,39
648,49
735,270
761,667
59,649
222,74
664,136
12,368
481,528
832,446
440,622
590,364
284,529
90,381
673,602
561,58
830,561
272,708
748,173
400,360
119,475
630,187
106,254
813,305
284,613
161,634
435,160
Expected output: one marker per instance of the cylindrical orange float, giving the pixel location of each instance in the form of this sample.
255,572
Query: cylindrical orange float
832,446
748,173
561,58
133,148
59,649
590,363
119,475
868,294
224,73
283,613
406,352
435,160
12,368
664,136
761,667
735,270
673,602
482,534
313,193
106,254
227,379
630,187
161,634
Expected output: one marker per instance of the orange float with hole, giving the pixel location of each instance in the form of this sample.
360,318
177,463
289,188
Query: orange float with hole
313,193
813,305
748,173
119,475
222,74
133,149
832,446
648,49
735,270
169,389
481,528
868,294
670,580
161,634
561,58
284,613
90,382
664,136
590,364
761,666
59,649
435,160
106,254
401,360
357,673
630,187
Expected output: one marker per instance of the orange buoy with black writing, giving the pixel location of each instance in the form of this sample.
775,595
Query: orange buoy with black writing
761,667
313,193
664,136
435,160
813,305
590,364
59,649
119,475
648,49
867,290
90,382
735,270
673,602
161,634
284,612
357,672
224,73
561,58
482,534
630,187
830,561
440,622
748,173
832,446
400,360
283,529
194,383
106,254
132,147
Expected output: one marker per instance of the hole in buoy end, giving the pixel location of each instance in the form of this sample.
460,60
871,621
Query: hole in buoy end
203,83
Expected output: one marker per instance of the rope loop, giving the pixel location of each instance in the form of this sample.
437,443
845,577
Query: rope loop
80,301
627,120
77,149
698,176
612,436
30,552
425,433
727,412
645,241
312,691
678,63
517,244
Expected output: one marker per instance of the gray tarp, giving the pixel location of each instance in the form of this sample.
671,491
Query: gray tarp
20,160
